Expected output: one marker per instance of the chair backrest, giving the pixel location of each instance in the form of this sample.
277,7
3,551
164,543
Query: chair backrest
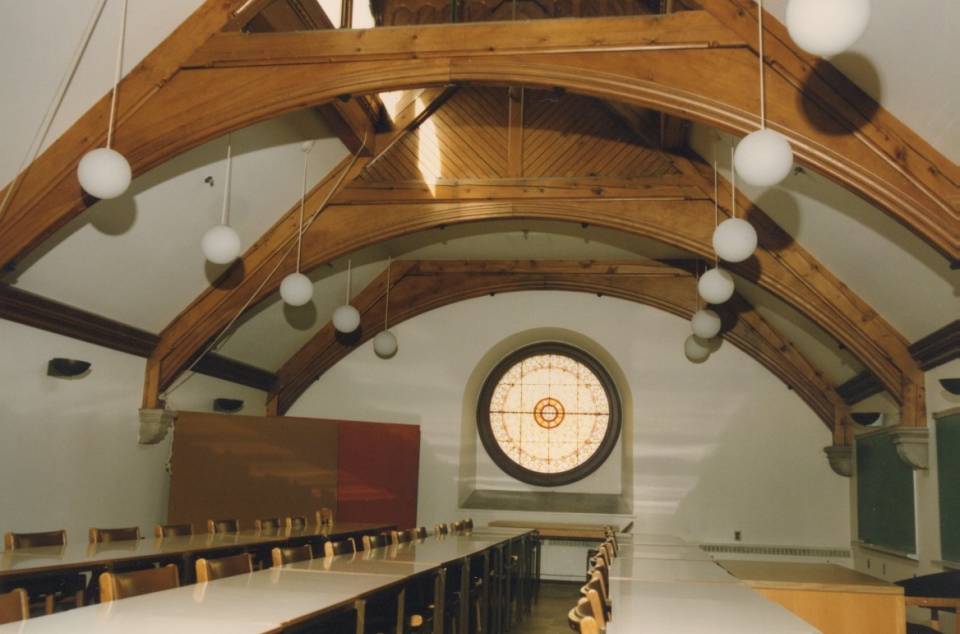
291,554
581,618
375,541
103,535
408,535
115,585
604,570
223,526
297,523
14,606
343,547
596,593
441,529
210,569
325,516
172,530
456,527
422,532
268,524
13,541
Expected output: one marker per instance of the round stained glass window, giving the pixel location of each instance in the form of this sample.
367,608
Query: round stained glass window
549,414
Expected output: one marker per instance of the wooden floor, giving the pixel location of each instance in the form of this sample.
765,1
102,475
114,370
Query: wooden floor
550,613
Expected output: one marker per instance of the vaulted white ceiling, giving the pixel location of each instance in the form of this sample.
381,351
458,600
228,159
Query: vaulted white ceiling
137,259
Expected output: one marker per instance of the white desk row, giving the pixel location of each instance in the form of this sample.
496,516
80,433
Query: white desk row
267,600
674,587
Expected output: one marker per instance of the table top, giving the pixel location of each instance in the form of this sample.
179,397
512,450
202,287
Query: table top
79,555
649,539
652,607
556,530
670,570
662,551
437,550
367,562
776,574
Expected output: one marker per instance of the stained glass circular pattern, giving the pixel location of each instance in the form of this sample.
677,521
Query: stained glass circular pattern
549,414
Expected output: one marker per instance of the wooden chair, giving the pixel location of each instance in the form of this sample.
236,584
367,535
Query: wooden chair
468,523
297,523
106,535
14,606
325,516
938,592
51,590
223,526
115,586
268,524
403,537
441,529
596,591
281,556
210,569
172,530
376,541
422,532
581,618
345,547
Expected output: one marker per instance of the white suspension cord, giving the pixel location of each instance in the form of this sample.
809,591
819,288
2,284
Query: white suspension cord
763,100
37,143
225,212
303,200
716,204
733,186
117,73
386,305
349,266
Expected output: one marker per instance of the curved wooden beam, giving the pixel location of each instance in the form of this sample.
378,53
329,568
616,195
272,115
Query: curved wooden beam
686,64
420,286
670,214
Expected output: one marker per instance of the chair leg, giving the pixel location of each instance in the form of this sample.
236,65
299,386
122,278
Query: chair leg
48,604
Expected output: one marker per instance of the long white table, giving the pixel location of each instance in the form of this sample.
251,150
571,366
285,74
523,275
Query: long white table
669,570
267,600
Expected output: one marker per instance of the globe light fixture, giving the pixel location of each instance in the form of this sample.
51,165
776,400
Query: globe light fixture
734,239
346,319
716,286
763,158
695,349
385,344
296,289
220,244
827,27
705,323
103,172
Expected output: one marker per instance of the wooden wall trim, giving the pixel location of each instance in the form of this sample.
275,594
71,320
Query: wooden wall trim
421,286
39,312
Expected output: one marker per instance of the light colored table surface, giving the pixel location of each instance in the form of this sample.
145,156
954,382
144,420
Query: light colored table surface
669,570
75,555
649,607
360,563
438,551
649,539
775,574
691,553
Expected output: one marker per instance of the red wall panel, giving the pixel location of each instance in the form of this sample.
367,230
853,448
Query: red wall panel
378,468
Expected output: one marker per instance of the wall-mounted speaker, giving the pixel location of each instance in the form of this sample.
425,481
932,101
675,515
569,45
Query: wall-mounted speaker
66,368
951,385
227,405
867,419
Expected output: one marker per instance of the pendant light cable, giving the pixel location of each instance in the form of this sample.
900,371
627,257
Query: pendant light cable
117,72
733,186
386,305
37,143
225,211
716,204
763,100
303,202
349,271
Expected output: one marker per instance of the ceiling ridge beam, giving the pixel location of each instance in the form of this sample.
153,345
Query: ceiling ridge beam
419,286
39,312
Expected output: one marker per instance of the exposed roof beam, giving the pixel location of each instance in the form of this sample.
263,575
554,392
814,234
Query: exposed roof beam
38,312
419,286
939,347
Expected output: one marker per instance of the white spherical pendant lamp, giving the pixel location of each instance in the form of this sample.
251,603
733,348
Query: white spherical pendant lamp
385,344
827,27
735,240
346,319
104,173
716,286
296,289
696,349
705,323
763,158
220,244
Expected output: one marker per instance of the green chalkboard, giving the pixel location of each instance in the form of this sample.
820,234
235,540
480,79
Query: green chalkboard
948,473
885,504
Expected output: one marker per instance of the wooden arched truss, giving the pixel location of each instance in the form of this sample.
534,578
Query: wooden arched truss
417,287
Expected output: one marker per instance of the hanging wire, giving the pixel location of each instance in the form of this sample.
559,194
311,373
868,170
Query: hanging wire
733,185
386,305
349,267
117,73
303,202
37,143
763,100
696,287
225,211
716,203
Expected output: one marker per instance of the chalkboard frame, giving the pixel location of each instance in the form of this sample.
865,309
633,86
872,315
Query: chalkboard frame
886,495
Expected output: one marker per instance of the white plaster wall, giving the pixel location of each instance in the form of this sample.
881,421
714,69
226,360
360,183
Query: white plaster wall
719,447
69,456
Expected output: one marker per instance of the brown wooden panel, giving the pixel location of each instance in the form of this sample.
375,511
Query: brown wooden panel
248,467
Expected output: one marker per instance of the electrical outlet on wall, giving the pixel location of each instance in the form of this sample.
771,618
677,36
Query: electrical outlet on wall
736,536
